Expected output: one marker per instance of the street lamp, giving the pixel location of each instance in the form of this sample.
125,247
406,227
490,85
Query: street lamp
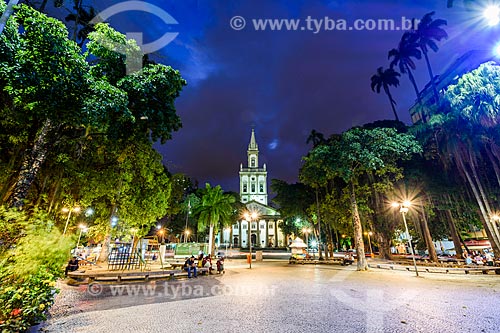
75,209
492,15
161,232
83,228
250,217
369,242
186,235
403,209
307,231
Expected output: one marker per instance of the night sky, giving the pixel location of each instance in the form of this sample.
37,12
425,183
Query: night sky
285,83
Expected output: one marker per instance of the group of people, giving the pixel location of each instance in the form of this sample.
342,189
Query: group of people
203,261
478,258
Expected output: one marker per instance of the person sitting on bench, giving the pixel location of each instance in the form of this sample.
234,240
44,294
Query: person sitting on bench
190,266
72,265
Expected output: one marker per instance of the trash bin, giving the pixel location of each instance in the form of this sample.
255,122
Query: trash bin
249,258
258,255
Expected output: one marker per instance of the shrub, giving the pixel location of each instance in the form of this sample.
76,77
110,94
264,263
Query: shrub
32,255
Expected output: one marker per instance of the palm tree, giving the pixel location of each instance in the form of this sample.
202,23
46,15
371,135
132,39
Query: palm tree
429,31
316,138
384,79
81,17
402,57
215,208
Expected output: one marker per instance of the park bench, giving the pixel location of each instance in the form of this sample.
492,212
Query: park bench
121,275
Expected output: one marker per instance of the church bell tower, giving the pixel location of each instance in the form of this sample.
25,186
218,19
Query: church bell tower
253,179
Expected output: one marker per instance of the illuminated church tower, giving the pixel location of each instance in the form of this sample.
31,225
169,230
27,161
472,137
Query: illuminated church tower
253,179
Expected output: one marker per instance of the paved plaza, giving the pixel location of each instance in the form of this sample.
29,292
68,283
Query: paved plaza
276,297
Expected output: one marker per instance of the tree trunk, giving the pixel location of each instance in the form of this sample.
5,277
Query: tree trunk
495,243
495,235
211,244
9,10
433,84
320,252
496,169
330,242
358,233
391,100
454,234
30,166
103,255
384,246
428,238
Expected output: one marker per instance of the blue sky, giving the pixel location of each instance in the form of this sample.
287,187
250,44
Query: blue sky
285,83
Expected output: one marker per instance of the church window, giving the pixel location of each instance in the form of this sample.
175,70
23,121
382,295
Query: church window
271,226
253,188
244,227
252,162
245,188
262,226
254,226
261,188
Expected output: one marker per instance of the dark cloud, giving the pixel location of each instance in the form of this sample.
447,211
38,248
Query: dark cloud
284,83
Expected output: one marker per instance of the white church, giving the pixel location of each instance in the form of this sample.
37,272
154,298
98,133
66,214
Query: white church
265,231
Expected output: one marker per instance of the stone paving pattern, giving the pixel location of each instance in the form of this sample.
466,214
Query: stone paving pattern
276,297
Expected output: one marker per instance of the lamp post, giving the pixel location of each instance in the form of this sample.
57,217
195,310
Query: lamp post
186,235
369,242
75,209
83,228
403,209
250,217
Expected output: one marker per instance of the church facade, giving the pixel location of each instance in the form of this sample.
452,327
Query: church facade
264,231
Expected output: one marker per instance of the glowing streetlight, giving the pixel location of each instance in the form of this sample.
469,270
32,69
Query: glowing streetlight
186,235
75,209
161,232
250,217
403,209
83,228
492,15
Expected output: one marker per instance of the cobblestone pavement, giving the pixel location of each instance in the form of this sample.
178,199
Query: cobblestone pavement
276,297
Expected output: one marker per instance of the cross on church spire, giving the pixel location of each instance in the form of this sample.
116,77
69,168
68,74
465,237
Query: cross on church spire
253,144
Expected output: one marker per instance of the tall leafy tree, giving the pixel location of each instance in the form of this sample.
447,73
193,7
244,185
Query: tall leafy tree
430,31
467,136
47,87
215,209
384,79
360,151
56,93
